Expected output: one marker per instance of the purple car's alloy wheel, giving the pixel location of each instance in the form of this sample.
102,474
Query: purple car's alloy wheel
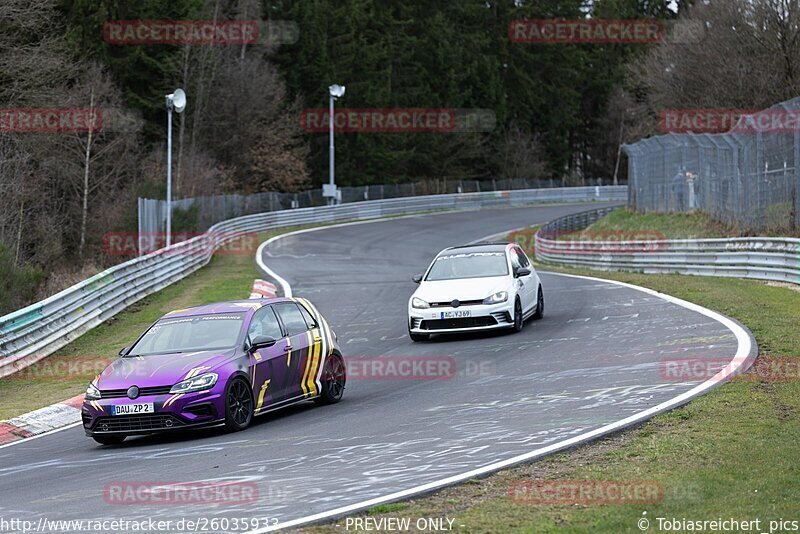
240,404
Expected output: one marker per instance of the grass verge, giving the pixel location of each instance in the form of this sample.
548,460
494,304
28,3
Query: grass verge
729,454
668,225
630,224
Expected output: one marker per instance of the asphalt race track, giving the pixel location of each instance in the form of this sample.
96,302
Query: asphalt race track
595,358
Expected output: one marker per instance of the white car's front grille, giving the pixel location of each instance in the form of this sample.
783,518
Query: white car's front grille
415,322
449,304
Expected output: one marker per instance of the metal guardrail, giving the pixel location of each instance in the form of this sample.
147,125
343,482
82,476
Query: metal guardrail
42,328
763,258
208,210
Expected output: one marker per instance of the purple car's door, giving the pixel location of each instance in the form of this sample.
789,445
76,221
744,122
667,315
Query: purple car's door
269,377
299,382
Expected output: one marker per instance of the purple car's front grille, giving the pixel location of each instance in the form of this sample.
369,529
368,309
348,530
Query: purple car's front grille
136,423
119,393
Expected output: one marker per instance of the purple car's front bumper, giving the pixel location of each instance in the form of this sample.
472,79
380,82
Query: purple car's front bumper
170,411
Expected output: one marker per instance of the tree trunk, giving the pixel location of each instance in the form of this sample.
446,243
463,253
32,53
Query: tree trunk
19,230
85,207
182,128
619,152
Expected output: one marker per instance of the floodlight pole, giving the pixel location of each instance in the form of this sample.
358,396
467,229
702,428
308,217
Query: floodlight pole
335,91
175,101
169,170
331,178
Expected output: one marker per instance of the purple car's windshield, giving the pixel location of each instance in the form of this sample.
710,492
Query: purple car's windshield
189,334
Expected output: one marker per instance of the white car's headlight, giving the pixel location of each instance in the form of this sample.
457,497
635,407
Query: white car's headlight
198,383
92,393
419,303
497,298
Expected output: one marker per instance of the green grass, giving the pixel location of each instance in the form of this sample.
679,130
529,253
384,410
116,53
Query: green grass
662,225
732,453
387,508
631,224
226,277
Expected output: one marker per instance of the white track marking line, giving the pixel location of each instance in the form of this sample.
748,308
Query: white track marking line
43,434
287,288
739,363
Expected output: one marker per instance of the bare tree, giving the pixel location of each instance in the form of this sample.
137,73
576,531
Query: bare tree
746,57
522,155
104,151
277,158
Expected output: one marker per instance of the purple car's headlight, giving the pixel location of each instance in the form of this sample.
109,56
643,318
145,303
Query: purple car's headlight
198,383
92,393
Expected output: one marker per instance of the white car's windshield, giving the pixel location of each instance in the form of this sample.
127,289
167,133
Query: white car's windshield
468,265
188,334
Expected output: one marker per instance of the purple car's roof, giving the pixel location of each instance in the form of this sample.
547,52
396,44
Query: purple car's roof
245,305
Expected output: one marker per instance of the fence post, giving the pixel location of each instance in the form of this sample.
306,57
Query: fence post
796,178
138,235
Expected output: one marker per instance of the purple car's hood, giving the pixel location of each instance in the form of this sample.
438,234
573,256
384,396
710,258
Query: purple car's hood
160,369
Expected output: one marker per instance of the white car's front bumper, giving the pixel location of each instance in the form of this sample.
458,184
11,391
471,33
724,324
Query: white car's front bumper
482,317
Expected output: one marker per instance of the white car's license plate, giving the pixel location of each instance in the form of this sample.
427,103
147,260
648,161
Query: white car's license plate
458,314
132,409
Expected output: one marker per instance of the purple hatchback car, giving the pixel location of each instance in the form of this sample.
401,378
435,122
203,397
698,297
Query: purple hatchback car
217,364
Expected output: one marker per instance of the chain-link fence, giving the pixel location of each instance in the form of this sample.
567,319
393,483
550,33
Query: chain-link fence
200,213
747,177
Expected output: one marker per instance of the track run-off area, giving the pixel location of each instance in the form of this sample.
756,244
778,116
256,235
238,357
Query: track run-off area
595,364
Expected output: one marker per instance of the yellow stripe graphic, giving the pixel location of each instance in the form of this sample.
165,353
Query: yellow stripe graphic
312,379
312,385
315,350
326,332
308,362
261,395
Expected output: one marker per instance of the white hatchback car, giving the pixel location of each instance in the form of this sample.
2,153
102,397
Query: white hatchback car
475,287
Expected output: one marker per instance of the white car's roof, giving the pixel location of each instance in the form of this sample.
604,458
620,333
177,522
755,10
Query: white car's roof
479,247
